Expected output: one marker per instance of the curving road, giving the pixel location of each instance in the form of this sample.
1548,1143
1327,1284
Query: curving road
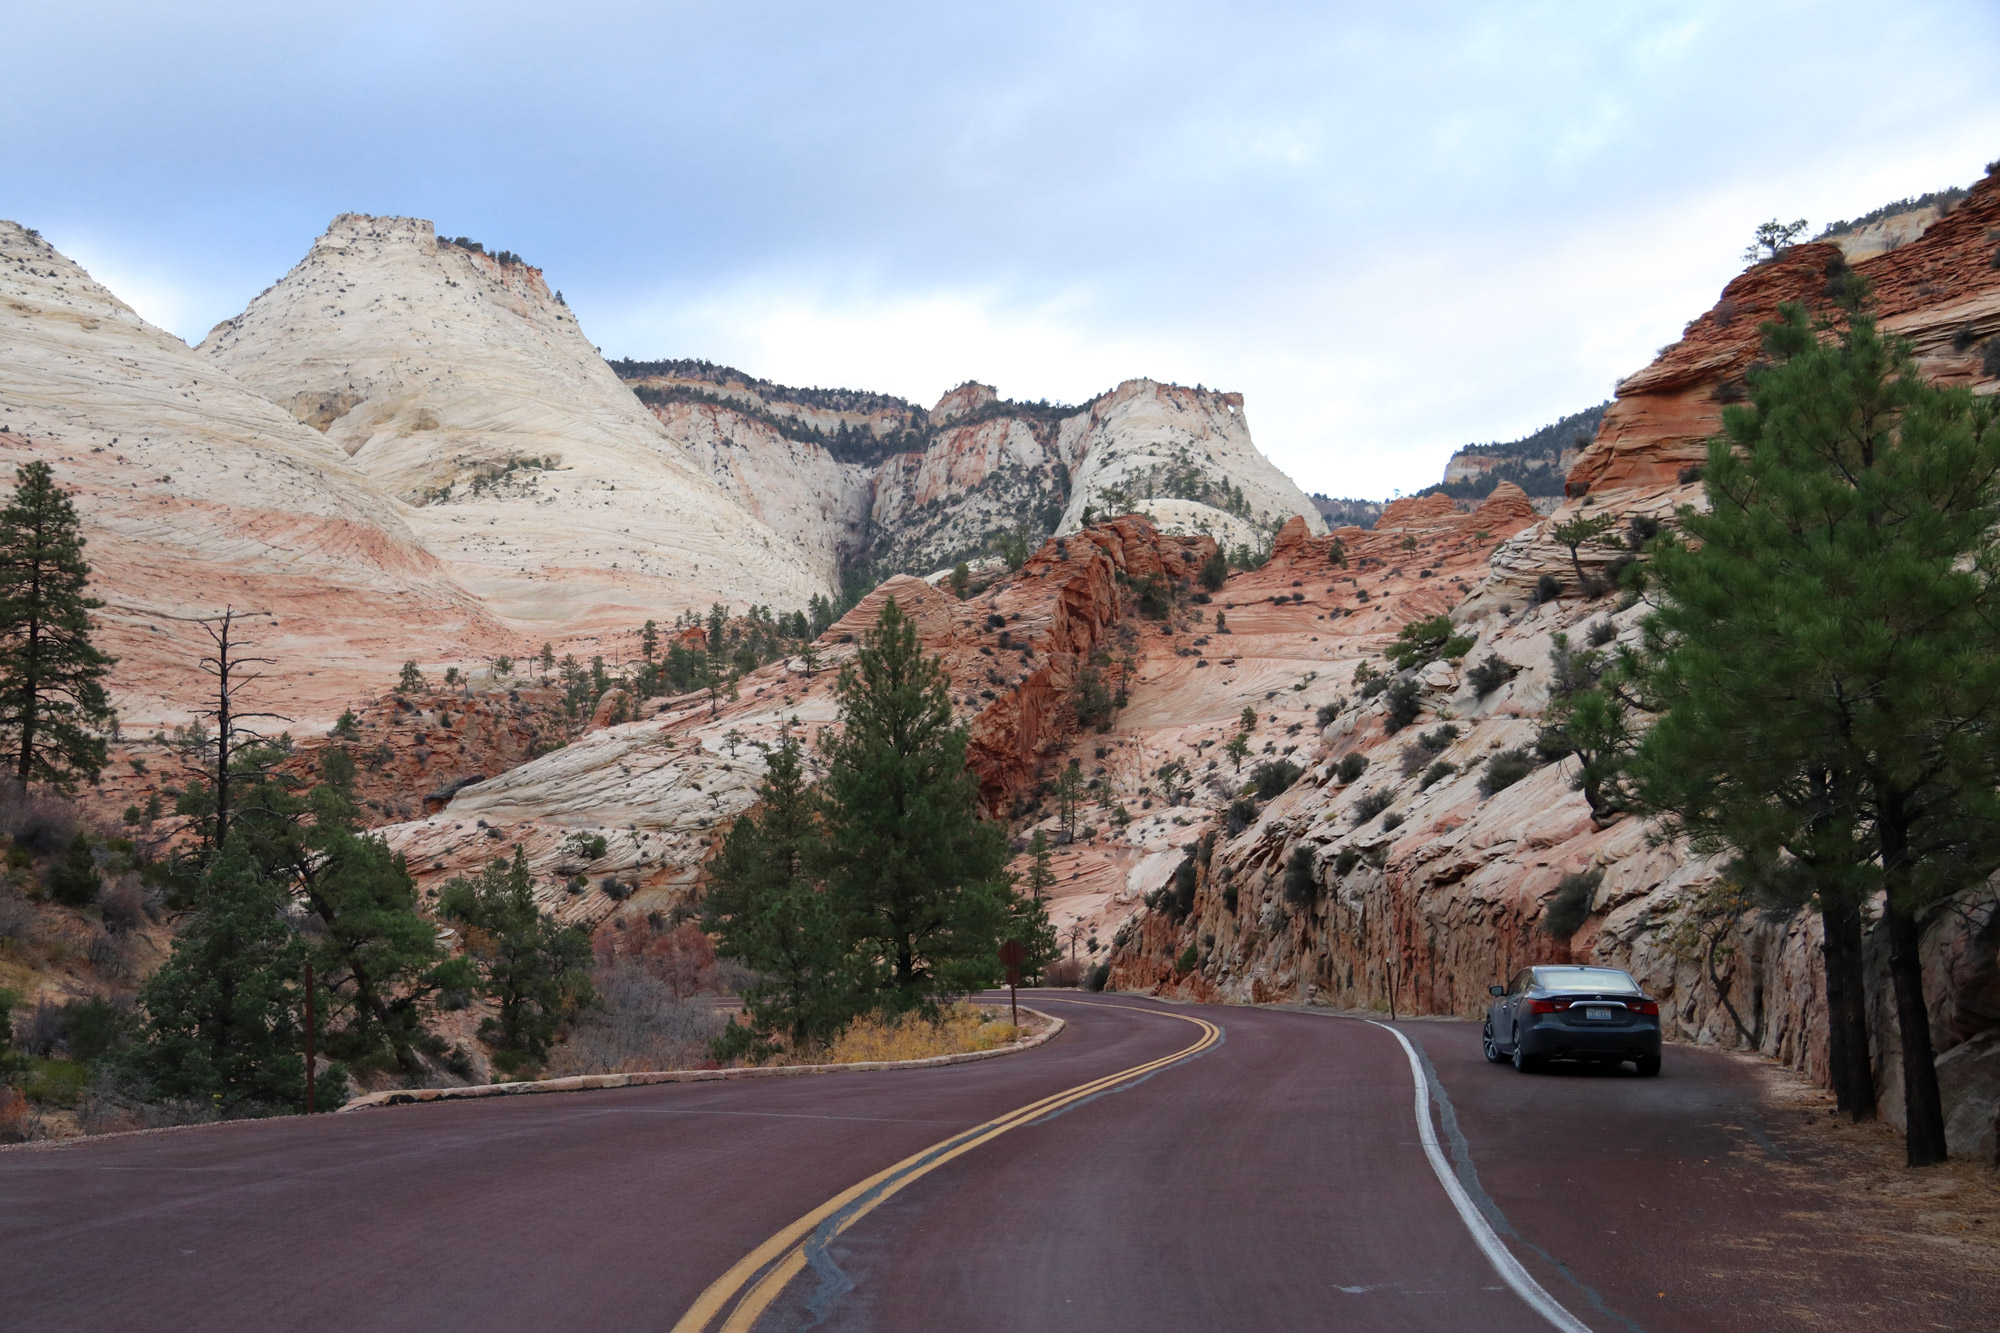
1155,1167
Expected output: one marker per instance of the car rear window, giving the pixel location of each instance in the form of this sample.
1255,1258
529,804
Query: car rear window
1604,980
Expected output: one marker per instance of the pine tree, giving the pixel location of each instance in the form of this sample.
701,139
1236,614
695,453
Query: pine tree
53,708
1828,664
535,970
917,875
767,907
223,1012
1041,870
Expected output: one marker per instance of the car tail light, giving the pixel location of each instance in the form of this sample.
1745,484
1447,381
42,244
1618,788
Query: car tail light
1643,1006
1547,1006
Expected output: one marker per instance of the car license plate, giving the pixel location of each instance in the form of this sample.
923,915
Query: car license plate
1595,1014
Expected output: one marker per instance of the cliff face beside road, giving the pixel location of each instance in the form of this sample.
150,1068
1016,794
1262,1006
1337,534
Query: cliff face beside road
1424,903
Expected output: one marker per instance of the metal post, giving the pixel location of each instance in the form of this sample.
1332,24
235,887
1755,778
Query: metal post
309,1037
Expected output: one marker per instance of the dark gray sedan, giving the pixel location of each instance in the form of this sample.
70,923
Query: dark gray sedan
1564,1012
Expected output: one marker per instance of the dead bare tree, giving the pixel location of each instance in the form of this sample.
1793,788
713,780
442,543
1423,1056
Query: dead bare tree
217,759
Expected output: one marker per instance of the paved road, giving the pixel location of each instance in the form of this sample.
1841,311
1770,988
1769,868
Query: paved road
1271,1177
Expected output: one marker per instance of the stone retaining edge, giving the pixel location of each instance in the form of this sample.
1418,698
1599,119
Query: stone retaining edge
592,1082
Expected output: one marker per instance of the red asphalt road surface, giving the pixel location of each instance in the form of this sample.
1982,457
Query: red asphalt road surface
1275,1181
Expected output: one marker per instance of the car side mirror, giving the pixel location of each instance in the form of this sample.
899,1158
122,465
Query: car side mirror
1496,990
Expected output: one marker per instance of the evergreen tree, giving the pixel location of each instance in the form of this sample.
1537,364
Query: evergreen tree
53,708
918,877
378,962
1041,870
222,1013
74,880
1828,663
535,970
767,907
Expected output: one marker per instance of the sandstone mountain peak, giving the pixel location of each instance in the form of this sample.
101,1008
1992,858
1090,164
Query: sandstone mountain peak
459,384
197,494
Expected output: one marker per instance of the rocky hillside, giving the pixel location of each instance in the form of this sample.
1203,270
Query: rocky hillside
198,494
658,790
459,384
1410,885
868,481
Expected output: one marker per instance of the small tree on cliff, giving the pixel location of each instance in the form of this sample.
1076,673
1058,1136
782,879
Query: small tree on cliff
53,709
918,876
1827,659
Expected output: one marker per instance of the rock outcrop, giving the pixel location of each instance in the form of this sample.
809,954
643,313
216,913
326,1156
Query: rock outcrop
659,790
1410,887
197,494
854,476
462,386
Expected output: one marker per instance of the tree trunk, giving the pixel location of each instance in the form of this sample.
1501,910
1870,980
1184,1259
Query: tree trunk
1923,1107
1848,1065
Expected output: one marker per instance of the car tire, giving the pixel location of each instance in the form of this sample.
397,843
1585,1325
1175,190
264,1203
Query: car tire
1523,1062
1490,1046
1649,1066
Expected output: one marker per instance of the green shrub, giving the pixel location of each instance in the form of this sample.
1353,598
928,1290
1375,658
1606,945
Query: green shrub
1351,767
1404,707
1189,957
1301,884
1156,599
1371,805
1242,814
1490,674
1094,979
1570,906
1422,642
1346,861
1602,632
1435,774
1547,588
1274,777
1392,820
1214,571
1505,769
73,881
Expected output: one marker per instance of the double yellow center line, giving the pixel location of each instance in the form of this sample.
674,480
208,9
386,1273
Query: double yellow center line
766,1270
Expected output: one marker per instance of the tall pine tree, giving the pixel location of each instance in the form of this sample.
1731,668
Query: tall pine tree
917,875
767,907
53,708
223,1012
1827,662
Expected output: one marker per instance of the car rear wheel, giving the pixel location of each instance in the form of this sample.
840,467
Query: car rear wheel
1649,1065
1490,1046
1523,1062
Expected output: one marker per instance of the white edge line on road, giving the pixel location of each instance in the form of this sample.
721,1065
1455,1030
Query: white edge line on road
1483,1235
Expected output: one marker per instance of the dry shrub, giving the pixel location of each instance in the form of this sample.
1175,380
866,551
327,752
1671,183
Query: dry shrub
123,904
1063,973
956,1028
14,1121
17,919
42,825
43,1029
641,1023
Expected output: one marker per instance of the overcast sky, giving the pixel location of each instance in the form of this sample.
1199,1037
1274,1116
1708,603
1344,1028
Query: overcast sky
1395,228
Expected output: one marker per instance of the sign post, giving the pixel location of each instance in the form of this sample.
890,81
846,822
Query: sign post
1013,953
309,1036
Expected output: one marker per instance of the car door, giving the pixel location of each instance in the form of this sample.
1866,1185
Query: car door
1517,991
